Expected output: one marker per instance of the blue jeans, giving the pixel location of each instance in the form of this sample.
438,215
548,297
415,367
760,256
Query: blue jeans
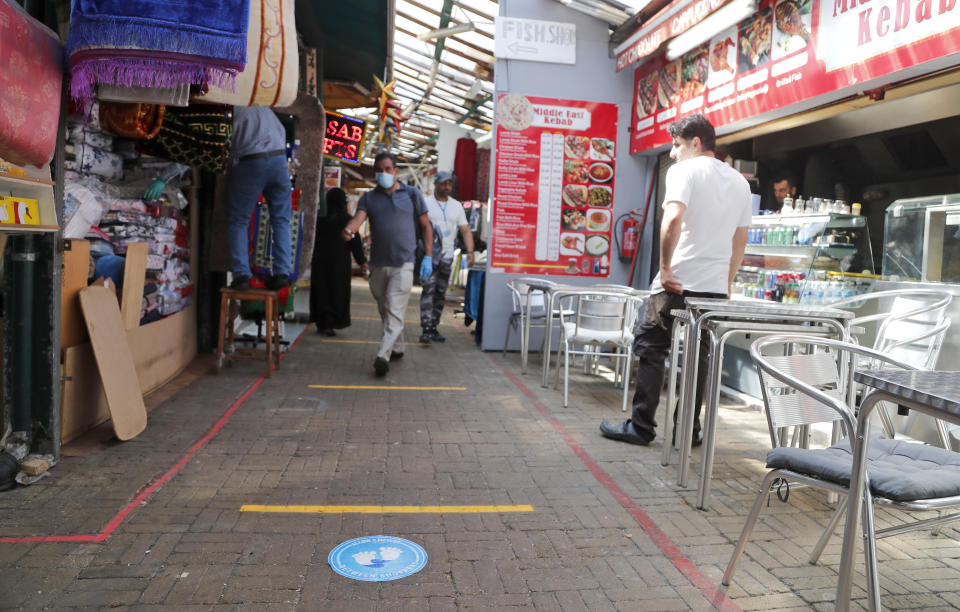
246,181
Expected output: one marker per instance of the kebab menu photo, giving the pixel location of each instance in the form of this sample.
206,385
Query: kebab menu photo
787,52
553,186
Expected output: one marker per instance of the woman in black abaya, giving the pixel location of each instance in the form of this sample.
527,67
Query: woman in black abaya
330,275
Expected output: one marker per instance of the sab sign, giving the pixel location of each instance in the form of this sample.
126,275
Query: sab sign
344,138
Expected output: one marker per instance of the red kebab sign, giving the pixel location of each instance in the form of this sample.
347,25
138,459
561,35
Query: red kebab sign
788,52
553,186
671,21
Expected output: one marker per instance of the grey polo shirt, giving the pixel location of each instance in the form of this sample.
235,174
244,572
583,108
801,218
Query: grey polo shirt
393,237
256,129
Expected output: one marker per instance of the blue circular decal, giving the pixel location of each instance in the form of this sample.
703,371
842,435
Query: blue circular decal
377,558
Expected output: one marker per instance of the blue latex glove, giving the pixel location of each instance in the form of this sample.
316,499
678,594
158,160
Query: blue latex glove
154,189
426,267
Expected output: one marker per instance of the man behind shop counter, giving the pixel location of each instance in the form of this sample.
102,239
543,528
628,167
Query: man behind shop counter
784,184
706,214
393,210
446,214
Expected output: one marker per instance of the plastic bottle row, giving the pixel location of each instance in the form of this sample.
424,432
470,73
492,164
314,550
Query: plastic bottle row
781,235
795,288
799,206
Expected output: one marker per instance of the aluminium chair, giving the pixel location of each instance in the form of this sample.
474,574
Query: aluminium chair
807,380
903,318
529,310
589,365
910,327
590,319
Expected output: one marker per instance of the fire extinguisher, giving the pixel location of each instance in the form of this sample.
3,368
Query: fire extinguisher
629,236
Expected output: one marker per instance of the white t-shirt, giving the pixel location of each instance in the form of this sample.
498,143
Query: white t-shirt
449,216
717,198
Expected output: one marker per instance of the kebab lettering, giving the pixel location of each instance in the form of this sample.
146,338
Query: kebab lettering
560,117
878,22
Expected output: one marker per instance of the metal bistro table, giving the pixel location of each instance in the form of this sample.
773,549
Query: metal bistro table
933,393
723,318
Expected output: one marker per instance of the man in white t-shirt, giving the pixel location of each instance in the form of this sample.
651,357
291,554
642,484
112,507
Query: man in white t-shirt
706,214
447,216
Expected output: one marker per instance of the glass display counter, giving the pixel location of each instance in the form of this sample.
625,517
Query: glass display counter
921,239
807,258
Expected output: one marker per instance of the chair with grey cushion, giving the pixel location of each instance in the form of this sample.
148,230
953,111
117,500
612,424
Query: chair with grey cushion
807,380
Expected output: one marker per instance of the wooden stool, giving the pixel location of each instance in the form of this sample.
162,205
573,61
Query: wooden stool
229,309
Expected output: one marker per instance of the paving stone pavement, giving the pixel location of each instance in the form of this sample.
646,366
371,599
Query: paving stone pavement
609,529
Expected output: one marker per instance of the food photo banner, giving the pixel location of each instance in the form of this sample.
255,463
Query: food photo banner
553,186
787,52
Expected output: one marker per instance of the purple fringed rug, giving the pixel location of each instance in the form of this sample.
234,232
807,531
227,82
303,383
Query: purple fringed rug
155,43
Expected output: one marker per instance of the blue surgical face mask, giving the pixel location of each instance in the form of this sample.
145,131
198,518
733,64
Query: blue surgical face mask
385,180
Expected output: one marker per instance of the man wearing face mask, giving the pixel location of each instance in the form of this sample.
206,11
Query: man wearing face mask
393,209
447,215
703,234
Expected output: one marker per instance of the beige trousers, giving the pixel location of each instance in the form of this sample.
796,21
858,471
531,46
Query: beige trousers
390,287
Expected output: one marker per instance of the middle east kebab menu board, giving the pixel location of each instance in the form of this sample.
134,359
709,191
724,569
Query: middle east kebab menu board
787,52
553,186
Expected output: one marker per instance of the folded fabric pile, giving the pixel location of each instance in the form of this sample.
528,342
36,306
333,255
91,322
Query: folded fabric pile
168,268
90,151
112,215
155,43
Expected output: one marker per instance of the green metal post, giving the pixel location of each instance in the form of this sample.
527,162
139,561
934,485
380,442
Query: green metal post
21,370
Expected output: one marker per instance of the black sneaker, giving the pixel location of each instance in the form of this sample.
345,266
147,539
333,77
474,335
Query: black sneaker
240,283
381,366
436,337
278,282
395,356
426,337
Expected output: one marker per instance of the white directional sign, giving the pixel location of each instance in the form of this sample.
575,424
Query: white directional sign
536,41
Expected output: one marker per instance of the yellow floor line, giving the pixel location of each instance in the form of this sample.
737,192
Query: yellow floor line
386,509
387,387
353,341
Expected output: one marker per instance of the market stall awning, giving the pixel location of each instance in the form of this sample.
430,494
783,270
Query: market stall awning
353,38
442,58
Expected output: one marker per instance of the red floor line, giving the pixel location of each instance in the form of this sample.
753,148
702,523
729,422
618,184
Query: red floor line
713,594
144,493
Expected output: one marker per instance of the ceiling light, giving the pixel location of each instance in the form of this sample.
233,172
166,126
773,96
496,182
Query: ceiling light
604,12
457,29
723,18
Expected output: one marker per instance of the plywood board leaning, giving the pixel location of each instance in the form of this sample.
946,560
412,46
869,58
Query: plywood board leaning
76,271
134,276
114,361
161,350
